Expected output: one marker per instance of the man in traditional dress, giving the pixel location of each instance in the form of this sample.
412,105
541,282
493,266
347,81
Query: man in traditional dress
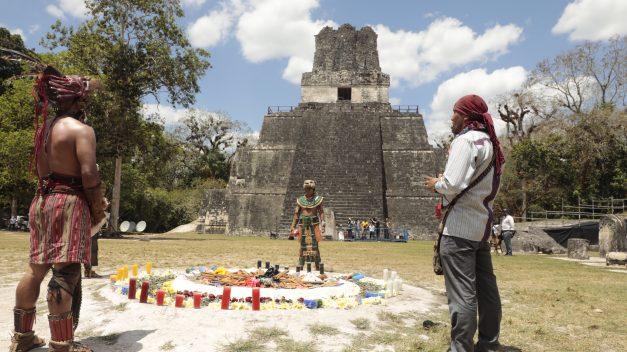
66,210
309,216
473,169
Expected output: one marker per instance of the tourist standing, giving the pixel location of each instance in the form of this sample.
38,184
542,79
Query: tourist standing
67,209
508,230
377,228
371,228
386,229
475,158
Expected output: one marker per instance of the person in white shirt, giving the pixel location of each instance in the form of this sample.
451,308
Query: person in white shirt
508,230
464,248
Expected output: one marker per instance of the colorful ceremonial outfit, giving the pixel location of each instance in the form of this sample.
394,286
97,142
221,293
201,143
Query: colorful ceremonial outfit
310,234
60,223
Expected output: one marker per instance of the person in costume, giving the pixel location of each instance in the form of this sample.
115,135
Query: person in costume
67,209
309,217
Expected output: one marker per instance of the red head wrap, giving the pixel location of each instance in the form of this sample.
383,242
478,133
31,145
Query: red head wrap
475,108
52,86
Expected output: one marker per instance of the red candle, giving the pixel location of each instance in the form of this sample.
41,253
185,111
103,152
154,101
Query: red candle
160,297
197,299
256,302
132,288
226,297
179,301
143,296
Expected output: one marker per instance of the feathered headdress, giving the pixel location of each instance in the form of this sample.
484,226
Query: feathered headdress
51,86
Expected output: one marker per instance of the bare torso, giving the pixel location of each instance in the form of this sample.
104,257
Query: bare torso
59,155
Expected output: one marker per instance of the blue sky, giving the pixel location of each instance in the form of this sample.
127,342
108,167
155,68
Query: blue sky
434,51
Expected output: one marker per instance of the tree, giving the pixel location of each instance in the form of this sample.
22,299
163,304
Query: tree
210,138
584,156
591,74
138,48
524,109
16,143
9,69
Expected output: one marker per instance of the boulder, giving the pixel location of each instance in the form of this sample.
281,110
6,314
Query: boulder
578,248
612,236
616,258
535,240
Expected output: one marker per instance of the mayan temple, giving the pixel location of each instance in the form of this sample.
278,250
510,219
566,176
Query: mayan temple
366,157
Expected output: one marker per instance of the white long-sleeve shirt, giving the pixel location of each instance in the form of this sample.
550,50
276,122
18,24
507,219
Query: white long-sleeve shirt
508,223
471,217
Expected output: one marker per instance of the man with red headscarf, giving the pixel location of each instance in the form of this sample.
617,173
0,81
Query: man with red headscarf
475,160
66,211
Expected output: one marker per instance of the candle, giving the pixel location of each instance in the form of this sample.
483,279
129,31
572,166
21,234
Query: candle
143,296
125,269
259,264
308,267
179,301
160,297
393,275
132,288
267,265
135,269
389,289
120,274
321,268
256,298
226,297
197,299
113,278
148,268
386,274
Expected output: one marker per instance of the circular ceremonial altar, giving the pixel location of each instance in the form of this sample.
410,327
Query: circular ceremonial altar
256,288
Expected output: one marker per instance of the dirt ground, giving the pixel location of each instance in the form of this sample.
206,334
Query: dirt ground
548,305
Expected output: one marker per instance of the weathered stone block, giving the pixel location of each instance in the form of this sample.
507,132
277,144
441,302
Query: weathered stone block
578,248
612,235
616,258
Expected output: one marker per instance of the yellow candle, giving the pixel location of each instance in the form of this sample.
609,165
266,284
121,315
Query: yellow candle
126,271
148,268
120,274
135,270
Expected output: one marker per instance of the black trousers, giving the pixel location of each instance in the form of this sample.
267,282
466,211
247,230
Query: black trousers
94,250
471,288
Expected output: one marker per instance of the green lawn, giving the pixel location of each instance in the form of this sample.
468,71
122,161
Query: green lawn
549,305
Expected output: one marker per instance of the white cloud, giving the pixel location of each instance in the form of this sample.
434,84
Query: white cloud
33,28
55,11
195,3
395,101
75,8
419,57
593,19
276,29
211,29
487,85
167,114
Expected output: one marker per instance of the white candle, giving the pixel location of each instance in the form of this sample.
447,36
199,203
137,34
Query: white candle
397,286
386,274
393,276
389,291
